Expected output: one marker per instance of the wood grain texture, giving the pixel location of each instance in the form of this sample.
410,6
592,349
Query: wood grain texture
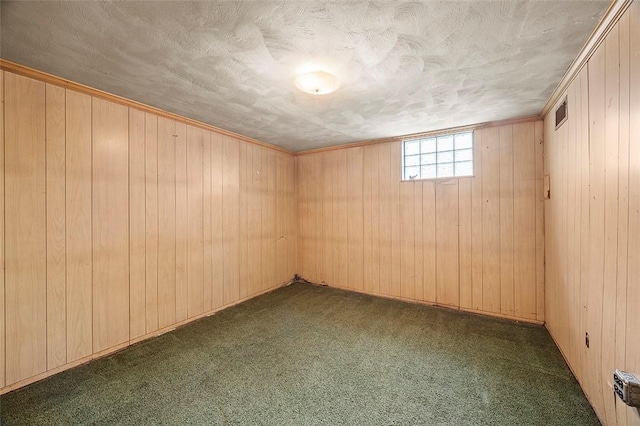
491,202
591,221
524,220
151,221
56,227
25,221
2,222
137,197
449,242
217,255
166,222
195,222
447,260
206,225
122,224
181,299
110,223
230,220
79,243
506,221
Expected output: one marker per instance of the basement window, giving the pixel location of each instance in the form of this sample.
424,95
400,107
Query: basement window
436,157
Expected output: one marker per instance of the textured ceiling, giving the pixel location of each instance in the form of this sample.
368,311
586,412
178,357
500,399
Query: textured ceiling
405,66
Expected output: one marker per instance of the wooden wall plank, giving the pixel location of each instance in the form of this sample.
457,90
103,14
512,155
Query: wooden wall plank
476,224
280,236
182,230
447,258
265,220
418,243
367,248
584,218
56,231
230,221
206,226
623,210
355,231
465,231
610,266
25,221
137,196
374,165
384,184
407,246
254,202
524,220
243,218
2,234
506,221
269,222
429,241
491,292
596,221
217,255
292,218
539,166
151,221
328,165
394,176
110,224
166,222
340,189
79,243
195,247
632,362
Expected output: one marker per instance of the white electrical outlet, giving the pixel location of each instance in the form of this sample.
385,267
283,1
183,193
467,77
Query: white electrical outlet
627,387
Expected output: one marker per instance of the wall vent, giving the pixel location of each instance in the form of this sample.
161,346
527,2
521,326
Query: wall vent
561,113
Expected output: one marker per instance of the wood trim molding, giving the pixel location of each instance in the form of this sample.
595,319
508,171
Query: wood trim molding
124,345
459,129
609,19
77,87
440,305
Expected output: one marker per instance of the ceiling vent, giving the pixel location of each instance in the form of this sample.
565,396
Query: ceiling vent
561,113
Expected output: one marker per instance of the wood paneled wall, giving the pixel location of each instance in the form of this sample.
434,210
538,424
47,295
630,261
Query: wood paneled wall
593,220
119,224
475,244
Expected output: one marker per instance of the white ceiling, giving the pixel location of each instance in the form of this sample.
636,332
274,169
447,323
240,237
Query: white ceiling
405,66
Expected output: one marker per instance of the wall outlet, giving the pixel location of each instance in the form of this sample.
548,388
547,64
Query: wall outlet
627,387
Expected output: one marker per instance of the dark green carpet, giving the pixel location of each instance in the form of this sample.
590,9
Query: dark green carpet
306,355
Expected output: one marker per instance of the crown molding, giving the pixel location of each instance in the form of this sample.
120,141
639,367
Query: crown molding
609,20
77,87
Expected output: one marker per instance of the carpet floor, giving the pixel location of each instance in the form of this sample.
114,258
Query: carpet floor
310,355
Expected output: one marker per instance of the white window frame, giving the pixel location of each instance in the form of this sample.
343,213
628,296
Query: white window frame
437,154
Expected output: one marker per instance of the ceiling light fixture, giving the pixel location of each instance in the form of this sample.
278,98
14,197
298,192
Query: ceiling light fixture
317,82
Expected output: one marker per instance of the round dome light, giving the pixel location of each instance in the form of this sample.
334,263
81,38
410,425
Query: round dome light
317,83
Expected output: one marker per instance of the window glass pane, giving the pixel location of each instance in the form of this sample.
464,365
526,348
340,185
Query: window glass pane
411,173
412,160
464,169
464,155
445,170
445,143
464,140
428,172
428,158
411,147
445,157
429,145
